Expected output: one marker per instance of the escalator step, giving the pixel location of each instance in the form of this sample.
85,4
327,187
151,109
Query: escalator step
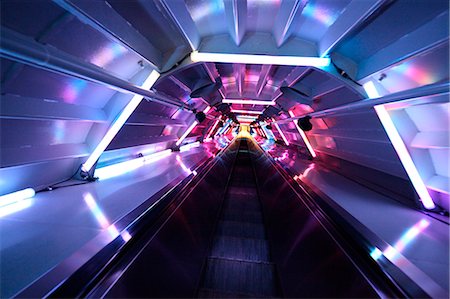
241,249
241,230
243,215
207,293
242,202
254,279
238,190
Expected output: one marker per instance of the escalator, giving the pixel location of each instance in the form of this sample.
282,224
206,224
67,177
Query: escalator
239,261
238,229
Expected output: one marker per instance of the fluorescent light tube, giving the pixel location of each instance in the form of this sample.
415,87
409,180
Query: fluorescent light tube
259,59
212,129
281,133
304,137
371,90
119,122
191,127
16,196
248,102
130,165
206,110
246,111
404,156
188,146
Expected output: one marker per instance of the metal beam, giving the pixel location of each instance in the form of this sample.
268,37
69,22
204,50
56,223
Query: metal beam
17,107
239,74
411,94
262,80
24,155
236,15
24,49
143,119
141,140
182,18
213,74
423,39
287,19
352,17
103,18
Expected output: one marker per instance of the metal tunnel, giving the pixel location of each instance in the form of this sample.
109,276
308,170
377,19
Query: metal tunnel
224,149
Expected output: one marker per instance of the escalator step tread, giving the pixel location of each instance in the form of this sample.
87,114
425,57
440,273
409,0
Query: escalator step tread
245,205
241,229
256,279
208,293
240,190
243,215
240,249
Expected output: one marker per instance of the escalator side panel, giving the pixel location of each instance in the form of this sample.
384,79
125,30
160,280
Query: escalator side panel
309,262
170,265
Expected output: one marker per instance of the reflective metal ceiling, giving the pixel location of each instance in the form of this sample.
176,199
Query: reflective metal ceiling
51,120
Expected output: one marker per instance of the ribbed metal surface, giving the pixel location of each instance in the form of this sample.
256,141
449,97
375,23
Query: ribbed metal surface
239,263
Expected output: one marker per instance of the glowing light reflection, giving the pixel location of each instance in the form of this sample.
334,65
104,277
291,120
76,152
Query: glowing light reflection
73,89
102,220
321,14
108,54
184,167
393,252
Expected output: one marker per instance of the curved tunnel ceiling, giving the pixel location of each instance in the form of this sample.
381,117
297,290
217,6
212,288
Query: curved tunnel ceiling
62,116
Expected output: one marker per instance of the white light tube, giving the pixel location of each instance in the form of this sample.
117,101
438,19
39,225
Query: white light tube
248,102
16,196
212,129
281,133
404,156
245,117
246,111
304,137
371,90
119,122
127,166
206,110
259,59
188,146
187,133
